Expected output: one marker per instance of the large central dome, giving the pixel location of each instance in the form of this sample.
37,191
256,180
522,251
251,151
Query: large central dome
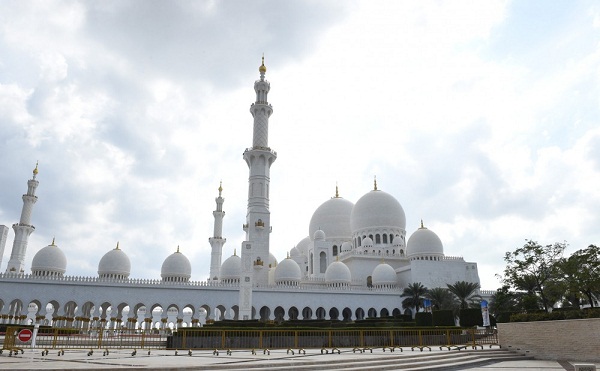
333,218
377,209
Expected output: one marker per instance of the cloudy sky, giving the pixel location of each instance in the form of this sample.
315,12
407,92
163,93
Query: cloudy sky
481,118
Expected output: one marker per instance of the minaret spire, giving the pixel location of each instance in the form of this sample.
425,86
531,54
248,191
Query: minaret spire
258,217
217,241
23,229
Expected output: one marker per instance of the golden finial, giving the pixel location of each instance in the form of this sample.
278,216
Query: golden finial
52,244
375,183
177,248
117,248
337,193
35,171
262,69
234,252
288,255
422,224
220,187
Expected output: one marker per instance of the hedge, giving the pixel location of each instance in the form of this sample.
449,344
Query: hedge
556,315
443,318
470,317
424,319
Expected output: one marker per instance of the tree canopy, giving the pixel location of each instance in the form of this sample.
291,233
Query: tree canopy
540,277
534,268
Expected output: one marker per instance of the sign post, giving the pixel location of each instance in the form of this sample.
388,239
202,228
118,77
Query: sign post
25,335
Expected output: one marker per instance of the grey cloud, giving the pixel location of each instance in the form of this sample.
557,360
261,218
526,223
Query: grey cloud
210,41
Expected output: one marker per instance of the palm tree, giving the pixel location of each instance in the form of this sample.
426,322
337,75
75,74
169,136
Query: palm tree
441,298
464,292
414,295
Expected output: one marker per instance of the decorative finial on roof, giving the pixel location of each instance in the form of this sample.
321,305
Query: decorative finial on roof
422,226
220,187
375,182
177,248
35,171
52,244
117,248
288,255
337,193
234,252
262,69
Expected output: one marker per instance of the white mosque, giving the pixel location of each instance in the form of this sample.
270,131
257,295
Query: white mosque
353,264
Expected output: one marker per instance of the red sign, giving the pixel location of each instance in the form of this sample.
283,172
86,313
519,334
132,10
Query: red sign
25,335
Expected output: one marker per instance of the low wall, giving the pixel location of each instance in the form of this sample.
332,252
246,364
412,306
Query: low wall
573,340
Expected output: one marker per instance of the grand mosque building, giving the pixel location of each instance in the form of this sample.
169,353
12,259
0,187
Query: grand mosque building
353,264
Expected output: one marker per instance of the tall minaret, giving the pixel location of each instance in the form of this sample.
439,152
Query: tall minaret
217,241
255,250
23,229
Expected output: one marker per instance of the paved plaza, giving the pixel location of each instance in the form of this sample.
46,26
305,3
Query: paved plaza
347,359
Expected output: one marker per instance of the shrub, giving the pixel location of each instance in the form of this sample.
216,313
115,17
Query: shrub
424,319
470,317
443,318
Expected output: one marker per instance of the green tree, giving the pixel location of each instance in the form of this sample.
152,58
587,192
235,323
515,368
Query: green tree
441,298
581,274
413,296
536,266
465,292
503,301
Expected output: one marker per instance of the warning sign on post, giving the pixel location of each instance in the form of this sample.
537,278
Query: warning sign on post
25,335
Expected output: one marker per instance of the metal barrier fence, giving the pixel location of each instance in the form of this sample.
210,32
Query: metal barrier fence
57,338
328,338
203,338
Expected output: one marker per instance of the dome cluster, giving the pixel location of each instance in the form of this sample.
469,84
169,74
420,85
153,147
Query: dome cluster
51,261
374,227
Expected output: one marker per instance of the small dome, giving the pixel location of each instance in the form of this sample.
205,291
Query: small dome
176,267
367,242
288,271
319,235
50,260
338,273
424,242
294,252
346,246
303,245
272,261
384,275
114,264
231,268
377,209
333,218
